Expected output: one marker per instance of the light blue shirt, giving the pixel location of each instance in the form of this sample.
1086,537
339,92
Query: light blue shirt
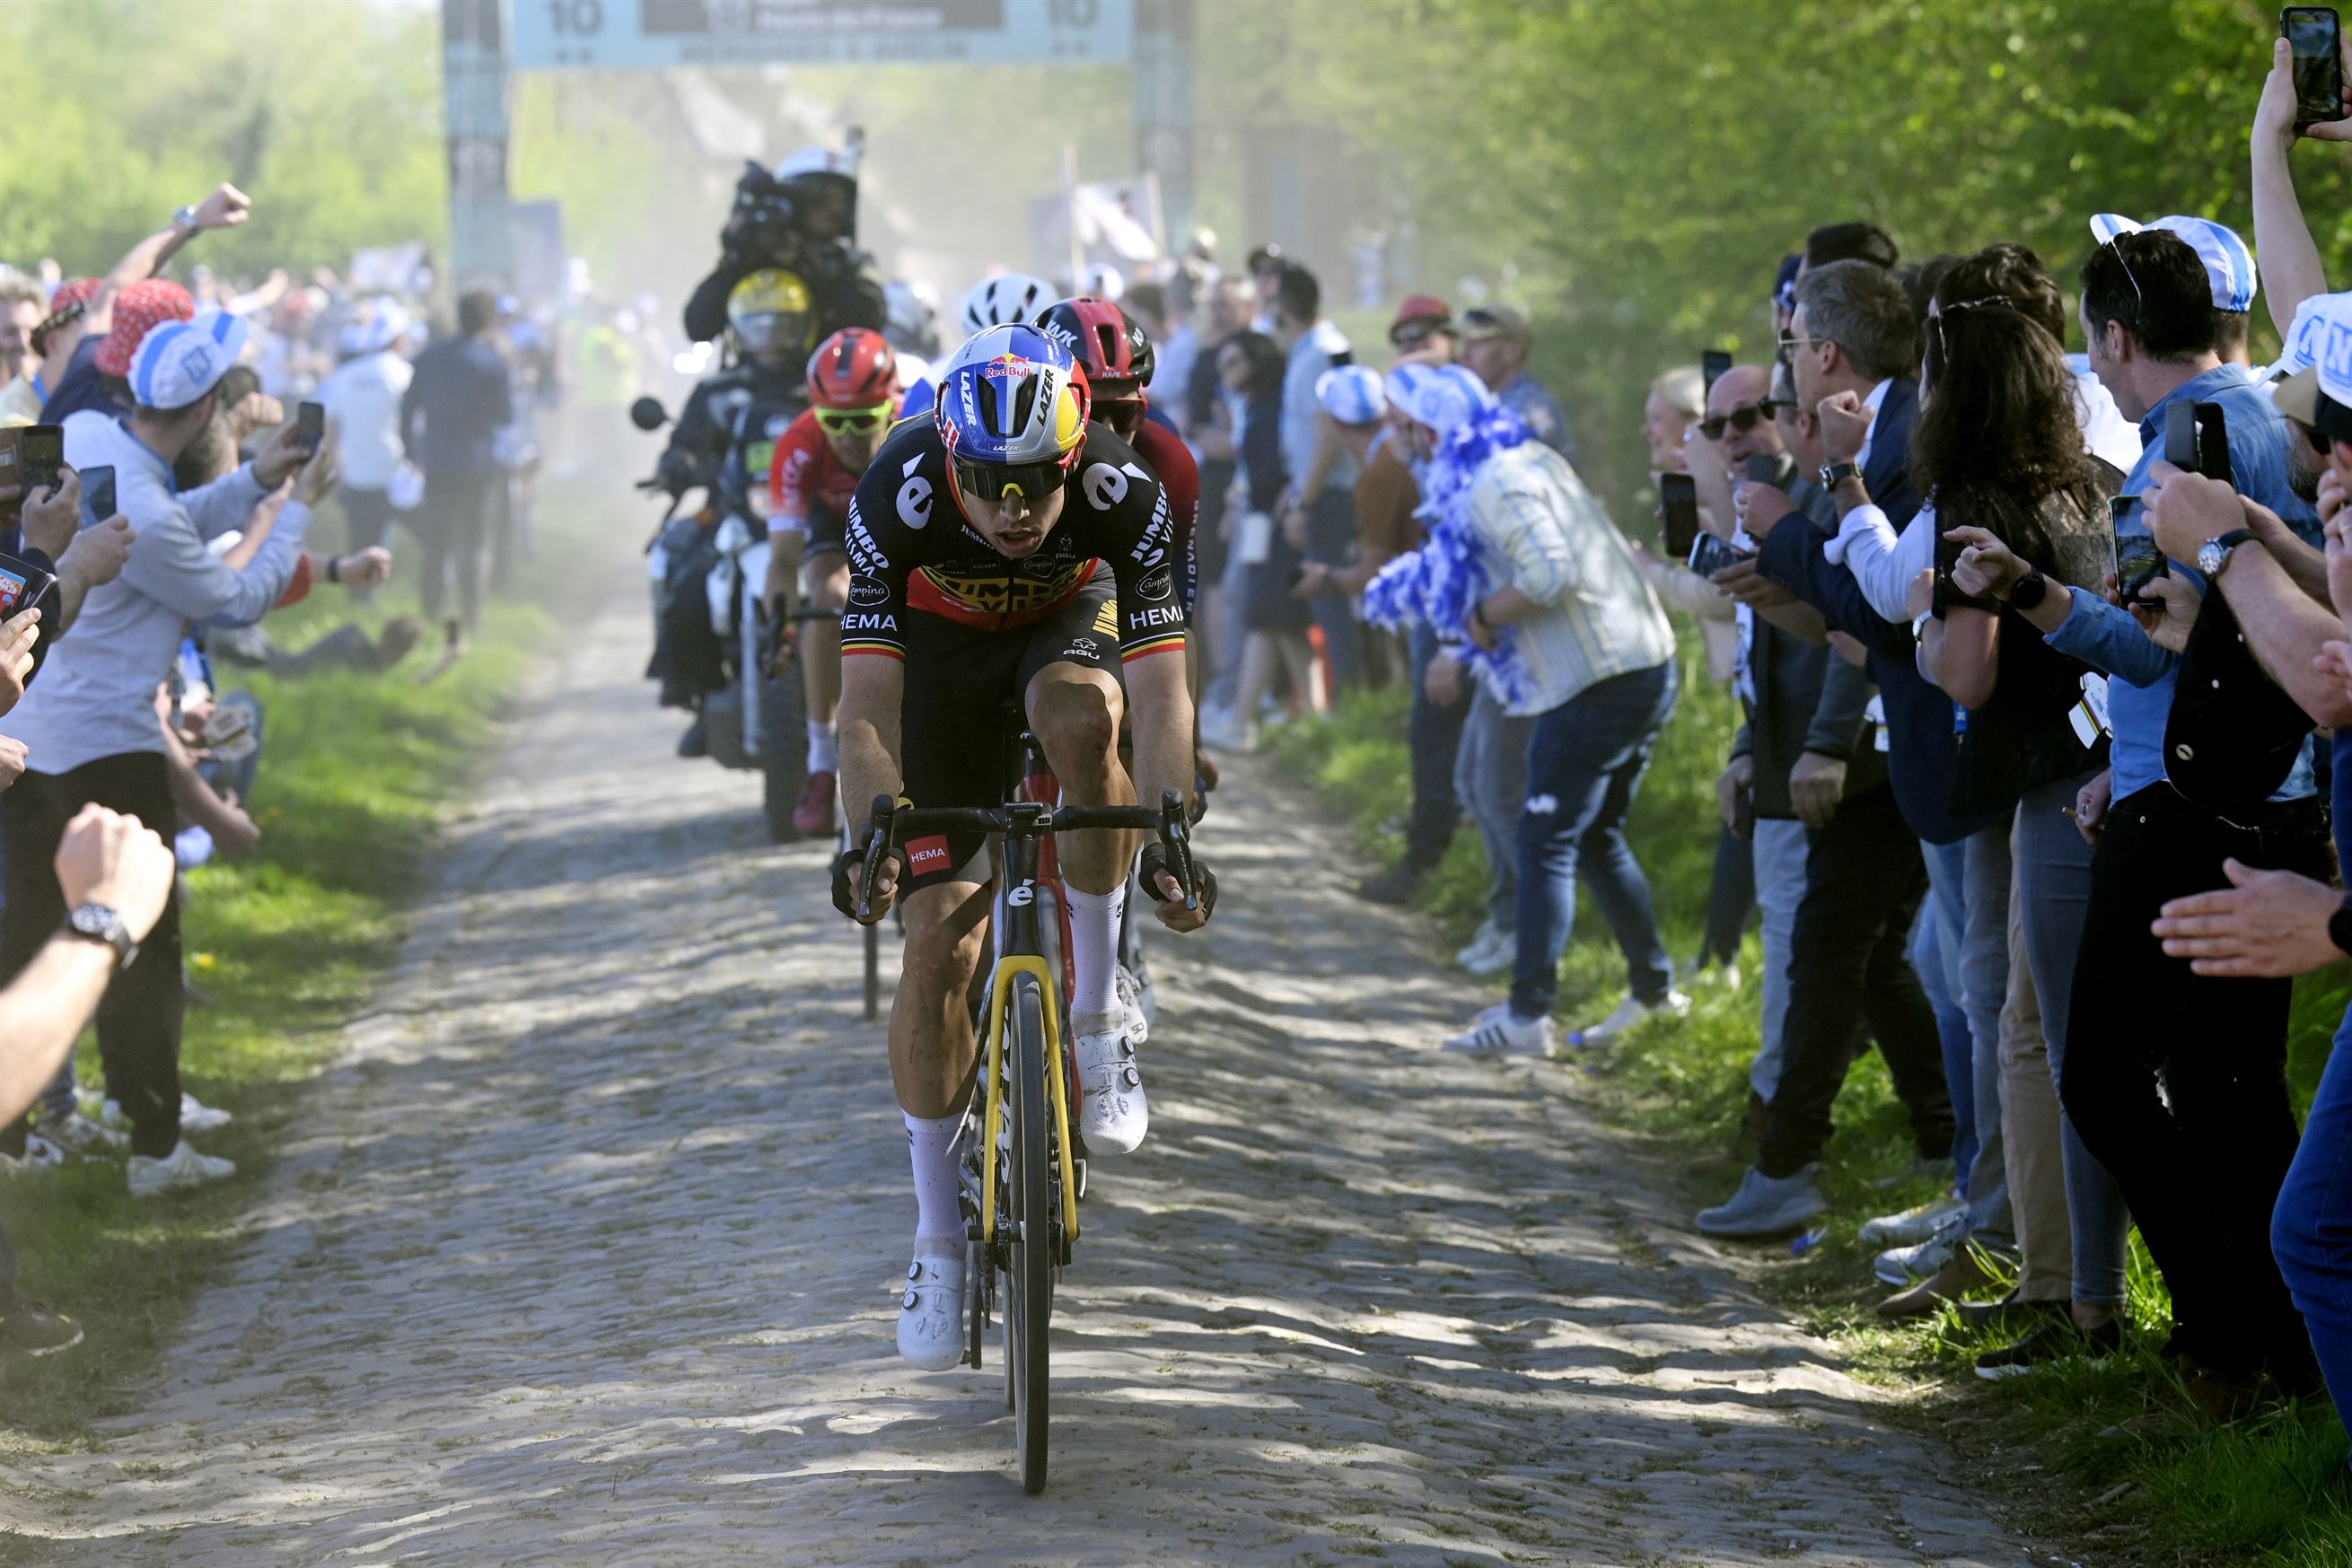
2105,637
1317,349
1540,411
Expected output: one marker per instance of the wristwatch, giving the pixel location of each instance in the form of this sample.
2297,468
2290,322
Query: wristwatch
2214,553
185,218
97,923
2339,926
1836,474
2030,589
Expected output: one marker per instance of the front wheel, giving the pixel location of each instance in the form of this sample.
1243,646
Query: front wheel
1029,1254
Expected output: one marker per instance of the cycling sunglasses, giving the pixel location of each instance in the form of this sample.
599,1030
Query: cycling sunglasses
993,482
1742,419
848,420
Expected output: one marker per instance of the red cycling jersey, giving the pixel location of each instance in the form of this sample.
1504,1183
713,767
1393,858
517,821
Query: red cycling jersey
805,473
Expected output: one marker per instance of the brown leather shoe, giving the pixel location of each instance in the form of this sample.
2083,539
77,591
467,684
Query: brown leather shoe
1962,1272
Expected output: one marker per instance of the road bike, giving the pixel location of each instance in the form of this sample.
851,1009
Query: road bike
1024,1168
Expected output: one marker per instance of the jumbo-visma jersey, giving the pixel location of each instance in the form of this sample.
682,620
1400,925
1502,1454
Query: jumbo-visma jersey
911,551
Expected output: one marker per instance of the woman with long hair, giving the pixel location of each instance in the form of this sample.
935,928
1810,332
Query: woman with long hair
1999,451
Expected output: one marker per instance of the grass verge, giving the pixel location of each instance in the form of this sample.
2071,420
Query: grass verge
284,946
2099,1454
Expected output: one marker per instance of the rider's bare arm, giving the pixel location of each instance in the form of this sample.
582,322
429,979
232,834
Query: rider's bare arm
871,687
1159,704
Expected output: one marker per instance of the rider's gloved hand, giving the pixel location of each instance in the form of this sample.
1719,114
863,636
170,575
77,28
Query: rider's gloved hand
849,865
846,867
1154,864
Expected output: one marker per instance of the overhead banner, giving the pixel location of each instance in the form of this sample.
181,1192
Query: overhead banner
642,34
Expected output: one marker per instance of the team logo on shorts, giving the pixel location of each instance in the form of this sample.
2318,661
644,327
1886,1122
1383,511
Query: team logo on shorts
1157,584
1082,648
867,591
927,855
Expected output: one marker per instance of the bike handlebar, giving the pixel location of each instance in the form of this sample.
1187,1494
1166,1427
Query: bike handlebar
1036,818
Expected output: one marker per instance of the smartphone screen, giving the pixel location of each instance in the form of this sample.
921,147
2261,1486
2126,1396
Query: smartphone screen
2310,31
1678,501
21,584
41,457
97,494
310,424
2138,561
1711,555
1712,365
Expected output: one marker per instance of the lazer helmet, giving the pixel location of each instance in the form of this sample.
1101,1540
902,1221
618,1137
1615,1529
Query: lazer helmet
853,368
1008,300
1012,413
1101,339
768,312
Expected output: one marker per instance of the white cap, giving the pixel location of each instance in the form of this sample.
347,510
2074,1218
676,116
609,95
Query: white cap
2301,350
1351,395
1443,397
2229,264
180,362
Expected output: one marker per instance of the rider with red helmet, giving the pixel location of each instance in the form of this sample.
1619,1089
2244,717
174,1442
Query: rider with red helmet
1117,359
853,389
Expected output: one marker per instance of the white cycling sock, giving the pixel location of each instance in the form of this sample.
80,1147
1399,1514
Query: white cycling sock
823,748
1094,948
930,1149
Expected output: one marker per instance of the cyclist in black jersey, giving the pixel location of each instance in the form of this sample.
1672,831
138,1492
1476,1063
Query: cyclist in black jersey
1007,548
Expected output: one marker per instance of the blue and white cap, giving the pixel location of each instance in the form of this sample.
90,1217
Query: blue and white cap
180,362
1351,395
2227,263
2318,392
1444,397
2301,350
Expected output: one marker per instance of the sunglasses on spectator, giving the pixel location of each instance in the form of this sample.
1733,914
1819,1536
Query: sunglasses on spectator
848,420
2137,291
1413,334
1790,343
1742,419
993,481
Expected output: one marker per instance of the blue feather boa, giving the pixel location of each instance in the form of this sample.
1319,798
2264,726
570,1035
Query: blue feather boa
1440,582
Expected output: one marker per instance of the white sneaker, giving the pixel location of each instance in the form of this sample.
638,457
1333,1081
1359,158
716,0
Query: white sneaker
1221,731
1113,1113
931,1312
1632,1010
196,1117
77,1134
1490,952
1497,1032
183,1167
1913,1225
39,1154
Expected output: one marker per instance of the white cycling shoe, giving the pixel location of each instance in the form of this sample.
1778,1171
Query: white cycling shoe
931,1312
1113,1113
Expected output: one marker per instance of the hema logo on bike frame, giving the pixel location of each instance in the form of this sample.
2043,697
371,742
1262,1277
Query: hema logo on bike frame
928,854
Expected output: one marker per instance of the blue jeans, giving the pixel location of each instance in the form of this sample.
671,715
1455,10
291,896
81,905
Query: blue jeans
1585,760
1951,1026
1490,779
2311,1228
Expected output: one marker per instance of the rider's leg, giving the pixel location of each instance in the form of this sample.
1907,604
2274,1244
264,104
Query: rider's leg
1074,711
825,582
932,1045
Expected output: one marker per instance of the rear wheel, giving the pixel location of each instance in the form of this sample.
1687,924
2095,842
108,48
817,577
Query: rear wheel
1029,1255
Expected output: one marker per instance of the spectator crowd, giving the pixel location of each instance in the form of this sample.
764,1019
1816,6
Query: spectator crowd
2043,661
166,449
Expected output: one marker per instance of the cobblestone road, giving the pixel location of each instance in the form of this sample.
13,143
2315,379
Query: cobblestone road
589,1258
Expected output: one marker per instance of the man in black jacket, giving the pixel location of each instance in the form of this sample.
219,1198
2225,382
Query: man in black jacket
802,219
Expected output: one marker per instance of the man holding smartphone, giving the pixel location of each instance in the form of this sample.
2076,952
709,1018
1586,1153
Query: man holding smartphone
89,725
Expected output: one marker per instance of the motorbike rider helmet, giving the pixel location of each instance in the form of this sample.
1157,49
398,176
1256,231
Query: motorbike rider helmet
1008,300
770,311
1011,412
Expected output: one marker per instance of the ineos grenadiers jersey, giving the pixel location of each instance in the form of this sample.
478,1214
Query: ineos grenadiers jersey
911,551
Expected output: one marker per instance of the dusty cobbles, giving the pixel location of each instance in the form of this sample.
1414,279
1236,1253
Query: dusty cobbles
588,1255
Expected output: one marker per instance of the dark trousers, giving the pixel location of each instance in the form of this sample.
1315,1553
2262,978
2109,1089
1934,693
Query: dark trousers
452,526
139,1020
2311,1230
2201,1172
1433,735
1730,898
1848,964
1331,539
1585,760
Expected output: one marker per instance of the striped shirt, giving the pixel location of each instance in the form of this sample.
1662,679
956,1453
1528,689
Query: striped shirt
1540,531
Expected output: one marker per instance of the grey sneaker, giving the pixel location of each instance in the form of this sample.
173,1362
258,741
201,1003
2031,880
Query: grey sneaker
1907,1265
1765,1206
1913,1225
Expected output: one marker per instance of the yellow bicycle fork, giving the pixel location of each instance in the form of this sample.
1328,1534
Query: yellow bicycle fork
1057,1079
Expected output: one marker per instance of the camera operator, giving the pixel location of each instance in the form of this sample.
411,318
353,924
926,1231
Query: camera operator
804,219
2200,1166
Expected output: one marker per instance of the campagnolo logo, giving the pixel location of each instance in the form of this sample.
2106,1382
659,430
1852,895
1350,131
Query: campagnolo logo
1157,584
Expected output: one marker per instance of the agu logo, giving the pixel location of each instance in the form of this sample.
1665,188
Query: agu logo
927,855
